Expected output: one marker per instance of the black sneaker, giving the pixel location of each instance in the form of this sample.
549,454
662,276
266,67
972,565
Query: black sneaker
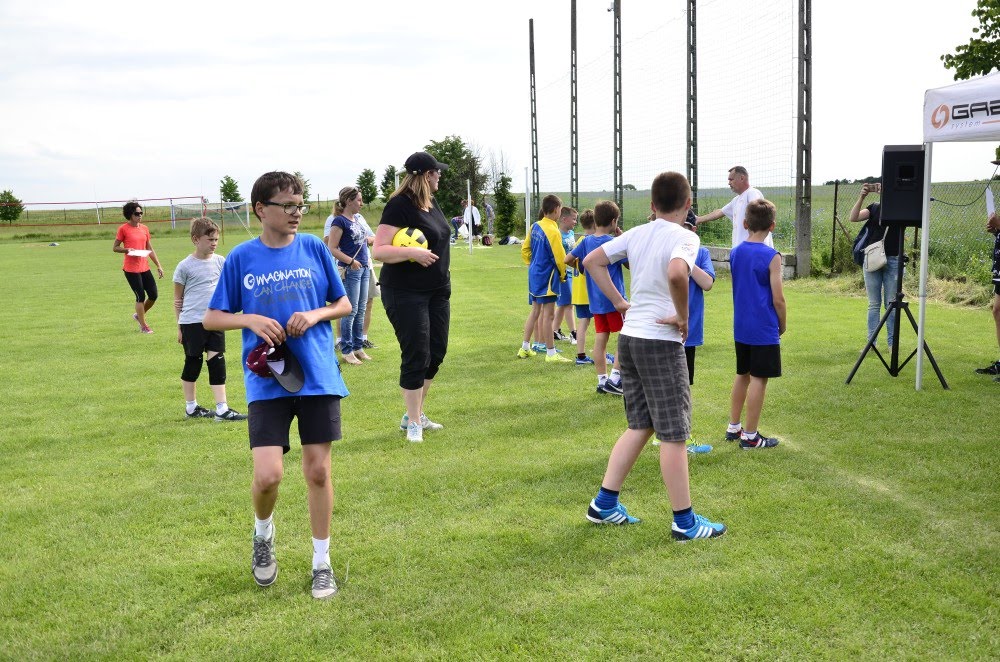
199,412
368,344
734,436
263,563
230,415
759,441
992,369
572,335
610,388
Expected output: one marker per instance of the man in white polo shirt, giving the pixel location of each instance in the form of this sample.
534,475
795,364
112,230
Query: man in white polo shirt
739,182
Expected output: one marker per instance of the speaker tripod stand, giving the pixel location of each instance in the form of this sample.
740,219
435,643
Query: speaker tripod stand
899,306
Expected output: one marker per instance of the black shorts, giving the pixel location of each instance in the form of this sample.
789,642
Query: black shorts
689,352
198,340
271,420
759,360
143,284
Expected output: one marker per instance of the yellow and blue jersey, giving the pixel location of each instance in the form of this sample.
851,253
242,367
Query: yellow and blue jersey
545,256
580,297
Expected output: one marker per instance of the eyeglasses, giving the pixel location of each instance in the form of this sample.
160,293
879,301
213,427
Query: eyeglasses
288,207
137,213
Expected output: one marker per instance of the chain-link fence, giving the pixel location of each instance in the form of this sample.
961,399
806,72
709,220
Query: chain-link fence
960,247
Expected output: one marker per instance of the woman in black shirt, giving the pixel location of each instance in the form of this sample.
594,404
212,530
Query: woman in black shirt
416,285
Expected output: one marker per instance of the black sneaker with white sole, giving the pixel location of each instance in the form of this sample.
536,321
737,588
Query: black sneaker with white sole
230,415
992,369
610,388
199,412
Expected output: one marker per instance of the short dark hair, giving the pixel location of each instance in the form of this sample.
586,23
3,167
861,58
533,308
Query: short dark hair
740,170
605,213
549,204
270,183
670,192
130,208
760,215
567,211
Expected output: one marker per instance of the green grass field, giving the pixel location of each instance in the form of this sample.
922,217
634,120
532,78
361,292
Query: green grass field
871,532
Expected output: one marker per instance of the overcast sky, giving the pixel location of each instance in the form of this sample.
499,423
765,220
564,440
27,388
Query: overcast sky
111,100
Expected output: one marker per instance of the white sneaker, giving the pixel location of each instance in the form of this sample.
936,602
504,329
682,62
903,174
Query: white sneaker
414,432
425,423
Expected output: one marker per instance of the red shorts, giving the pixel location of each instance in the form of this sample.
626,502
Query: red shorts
608,322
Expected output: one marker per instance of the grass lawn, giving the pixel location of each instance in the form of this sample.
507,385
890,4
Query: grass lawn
871,532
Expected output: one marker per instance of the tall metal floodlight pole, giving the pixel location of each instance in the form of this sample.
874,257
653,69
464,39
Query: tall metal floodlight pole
692,102
803,167
619,184
574,144
534,116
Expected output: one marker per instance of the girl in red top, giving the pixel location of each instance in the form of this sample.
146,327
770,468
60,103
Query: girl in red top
133,240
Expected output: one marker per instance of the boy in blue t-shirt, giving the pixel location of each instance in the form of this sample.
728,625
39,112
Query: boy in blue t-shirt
758,323
288,290
607,319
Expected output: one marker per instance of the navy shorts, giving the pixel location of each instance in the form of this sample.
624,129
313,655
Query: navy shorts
583,311
271,420
759,360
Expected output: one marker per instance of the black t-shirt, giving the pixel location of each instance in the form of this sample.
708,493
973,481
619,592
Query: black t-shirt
877,229
400,212
996,259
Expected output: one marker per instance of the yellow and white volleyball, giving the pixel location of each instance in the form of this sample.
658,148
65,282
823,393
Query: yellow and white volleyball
409,237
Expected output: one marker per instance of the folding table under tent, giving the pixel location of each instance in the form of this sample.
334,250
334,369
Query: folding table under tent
964,112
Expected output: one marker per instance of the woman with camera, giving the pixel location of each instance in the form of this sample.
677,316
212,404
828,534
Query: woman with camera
880,284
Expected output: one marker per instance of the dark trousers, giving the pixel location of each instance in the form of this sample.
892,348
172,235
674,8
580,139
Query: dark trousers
420,320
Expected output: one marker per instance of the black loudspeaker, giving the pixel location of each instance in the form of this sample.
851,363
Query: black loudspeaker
902,184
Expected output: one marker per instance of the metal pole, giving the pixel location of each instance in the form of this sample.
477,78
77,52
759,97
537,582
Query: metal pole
527,204
619,183
833,226
574,138
925,242
534,113
692,102
803,174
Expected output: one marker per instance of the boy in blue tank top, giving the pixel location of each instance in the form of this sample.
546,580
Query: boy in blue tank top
758,323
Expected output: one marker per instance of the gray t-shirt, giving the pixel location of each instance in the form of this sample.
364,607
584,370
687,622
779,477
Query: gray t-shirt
198,277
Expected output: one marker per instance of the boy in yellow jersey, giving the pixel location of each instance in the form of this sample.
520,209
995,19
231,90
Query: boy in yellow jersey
545,256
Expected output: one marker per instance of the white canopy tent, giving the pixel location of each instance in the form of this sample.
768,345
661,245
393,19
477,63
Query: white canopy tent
964,112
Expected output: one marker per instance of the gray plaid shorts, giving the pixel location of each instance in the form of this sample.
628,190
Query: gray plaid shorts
655,381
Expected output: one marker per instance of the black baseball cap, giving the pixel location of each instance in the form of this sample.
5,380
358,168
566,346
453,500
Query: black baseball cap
419,162
277,362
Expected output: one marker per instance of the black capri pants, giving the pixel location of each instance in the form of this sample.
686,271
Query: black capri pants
420,320
143,284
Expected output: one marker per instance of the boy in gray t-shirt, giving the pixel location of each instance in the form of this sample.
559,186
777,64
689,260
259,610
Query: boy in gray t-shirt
194,283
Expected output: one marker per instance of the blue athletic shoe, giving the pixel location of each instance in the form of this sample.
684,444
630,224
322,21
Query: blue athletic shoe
758,442
610,358
702,529
538,347
616,515
586,360
698,449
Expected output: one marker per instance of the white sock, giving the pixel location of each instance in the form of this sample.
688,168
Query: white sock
749,435
221,408
733,427
602,380
550,352
616,376
525,346
191,405
263,527
321,552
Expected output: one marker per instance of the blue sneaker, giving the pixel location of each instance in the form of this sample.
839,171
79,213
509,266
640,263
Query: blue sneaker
616,515
610,358
538,347
586,360
610,388
702,529
698,449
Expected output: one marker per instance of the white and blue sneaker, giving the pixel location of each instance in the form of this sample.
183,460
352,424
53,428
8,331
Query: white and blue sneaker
616,515
702,529
586,360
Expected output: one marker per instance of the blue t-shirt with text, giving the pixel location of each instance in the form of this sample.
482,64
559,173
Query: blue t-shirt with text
275,283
